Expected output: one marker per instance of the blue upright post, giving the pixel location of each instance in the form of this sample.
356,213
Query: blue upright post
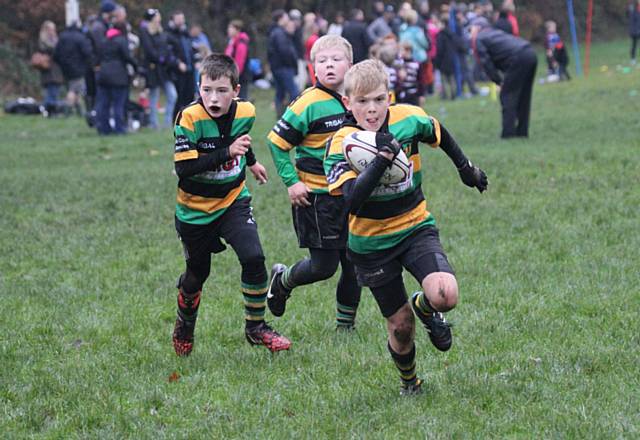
456,59
574,38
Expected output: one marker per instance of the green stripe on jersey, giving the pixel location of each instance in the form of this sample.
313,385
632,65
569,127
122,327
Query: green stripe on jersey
367,245
195,217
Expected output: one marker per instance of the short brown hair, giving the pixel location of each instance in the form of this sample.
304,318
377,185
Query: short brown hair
364,77
219,65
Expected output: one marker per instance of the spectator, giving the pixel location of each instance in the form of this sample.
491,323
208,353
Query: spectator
448,45
201,48
414,35
158,61
113,81
50,73
282,56
551,40
510,62
336,27
503,22
409,89
97,32
199,40
73,53
634,27
388,53
355,32
377,9
238,49
311,34
183,75
510,8
429,74
380,28
295,29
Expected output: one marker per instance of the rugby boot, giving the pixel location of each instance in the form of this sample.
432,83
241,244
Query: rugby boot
263,334
438,328
185,323
277,295
411,389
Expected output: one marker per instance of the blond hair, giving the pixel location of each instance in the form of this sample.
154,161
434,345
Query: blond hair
365,77
331,42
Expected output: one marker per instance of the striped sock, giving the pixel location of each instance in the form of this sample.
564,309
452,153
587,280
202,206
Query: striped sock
255,299
406,365
285,279
345,316
422,303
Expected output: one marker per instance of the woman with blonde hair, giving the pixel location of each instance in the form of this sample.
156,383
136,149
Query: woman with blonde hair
158,61
51,77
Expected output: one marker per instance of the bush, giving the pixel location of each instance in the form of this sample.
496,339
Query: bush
17,78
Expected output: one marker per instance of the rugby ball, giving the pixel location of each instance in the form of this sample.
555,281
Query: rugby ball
359,149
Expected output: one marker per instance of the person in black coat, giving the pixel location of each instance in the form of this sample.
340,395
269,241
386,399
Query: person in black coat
355,32
283,59
449,45
158,61
112,81
183,75
74,55
503,22
511,63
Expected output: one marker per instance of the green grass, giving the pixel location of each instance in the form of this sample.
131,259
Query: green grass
546,333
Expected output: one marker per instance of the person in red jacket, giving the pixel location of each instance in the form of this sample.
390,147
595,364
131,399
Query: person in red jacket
238,49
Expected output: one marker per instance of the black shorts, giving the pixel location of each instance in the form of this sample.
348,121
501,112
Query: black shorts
236,226
323,225
421,254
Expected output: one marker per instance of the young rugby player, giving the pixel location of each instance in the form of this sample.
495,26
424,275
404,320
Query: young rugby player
389,225
318,218
211,150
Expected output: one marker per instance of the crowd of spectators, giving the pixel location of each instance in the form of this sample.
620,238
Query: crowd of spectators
113,70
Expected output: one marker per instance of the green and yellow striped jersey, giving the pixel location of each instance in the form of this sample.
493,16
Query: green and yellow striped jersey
307,125
392,212
204,197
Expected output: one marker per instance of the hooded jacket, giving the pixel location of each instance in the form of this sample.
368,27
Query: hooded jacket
114,57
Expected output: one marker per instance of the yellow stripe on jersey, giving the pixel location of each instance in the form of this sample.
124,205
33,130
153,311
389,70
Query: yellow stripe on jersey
206,204
185,155
279,142
417,163
399,112
245,110
313,181
436,126
367,227
316,140
191,115
309,96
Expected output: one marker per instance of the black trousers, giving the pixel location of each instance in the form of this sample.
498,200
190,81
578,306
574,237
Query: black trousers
515,95
186,88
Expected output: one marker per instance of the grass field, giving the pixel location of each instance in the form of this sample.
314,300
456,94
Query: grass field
547,333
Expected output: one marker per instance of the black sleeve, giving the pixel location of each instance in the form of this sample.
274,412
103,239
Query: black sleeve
449,145
208,162
251,157
356,191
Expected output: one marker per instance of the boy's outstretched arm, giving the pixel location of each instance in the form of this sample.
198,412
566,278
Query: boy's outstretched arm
470,174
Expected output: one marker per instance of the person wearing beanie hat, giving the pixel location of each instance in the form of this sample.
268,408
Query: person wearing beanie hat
107,7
